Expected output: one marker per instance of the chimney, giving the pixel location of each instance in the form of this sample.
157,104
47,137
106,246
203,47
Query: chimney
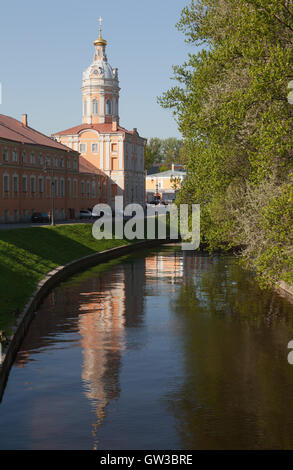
135,129
114,126
24,120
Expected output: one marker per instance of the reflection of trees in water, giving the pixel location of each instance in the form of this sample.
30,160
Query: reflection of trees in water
237,382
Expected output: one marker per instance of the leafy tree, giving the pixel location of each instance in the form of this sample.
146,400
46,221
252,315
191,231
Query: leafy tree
153,152
231,106
164,151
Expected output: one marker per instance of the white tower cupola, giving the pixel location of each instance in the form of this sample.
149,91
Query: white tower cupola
100,87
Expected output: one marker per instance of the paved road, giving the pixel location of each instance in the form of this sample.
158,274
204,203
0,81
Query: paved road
159,208
29,224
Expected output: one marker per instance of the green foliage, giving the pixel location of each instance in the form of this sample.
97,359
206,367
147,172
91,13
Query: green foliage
231,106
165,152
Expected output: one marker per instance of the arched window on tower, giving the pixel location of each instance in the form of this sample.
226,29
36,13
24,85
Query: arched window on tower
84,108
95,107
109,107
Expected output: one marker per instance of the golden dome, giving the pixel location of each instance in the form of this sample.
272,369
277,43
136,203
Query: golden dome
100,42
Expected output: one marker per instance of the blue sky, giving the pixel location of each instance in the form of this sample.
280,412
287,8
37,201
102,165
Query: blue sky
45,46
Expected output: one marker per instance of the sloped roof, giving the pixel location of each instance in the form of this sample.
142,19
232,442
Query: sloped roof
86,167
14,130
104,128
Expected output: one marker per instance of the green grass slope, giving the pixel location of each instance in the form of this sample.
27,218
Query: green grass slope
27,254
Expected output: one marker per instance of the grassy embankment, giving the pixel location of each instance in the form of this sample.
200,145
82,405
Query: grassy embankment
27,254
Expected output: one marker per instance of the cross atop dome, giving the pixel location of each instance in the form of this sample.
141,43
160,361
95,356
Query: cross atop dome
100,41
100,27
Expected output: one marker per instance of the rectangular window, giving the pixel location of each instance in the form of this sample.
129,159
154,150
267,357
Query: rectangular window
56,162
82,148
82,187
88,187
93,189
41,185
114,147
33,184
14,156
75,164
23,157
68,163
15,184
24,184
6,183
40,159
69,188
95,148
32,158
62,162
5,155
62,188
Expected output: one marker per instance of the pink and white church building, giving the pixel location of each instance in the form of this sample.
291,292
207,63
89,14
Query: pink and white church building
114,150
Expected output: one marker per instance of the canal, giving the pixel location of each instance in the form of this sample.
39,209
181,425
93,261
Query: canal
162,350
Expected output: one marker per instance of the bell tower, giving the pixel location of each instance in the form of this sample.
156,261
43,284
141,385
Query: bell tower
100,87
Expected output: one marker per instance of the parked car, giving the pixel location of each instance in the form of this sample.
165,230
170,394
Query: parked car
40,217
85,214
155,202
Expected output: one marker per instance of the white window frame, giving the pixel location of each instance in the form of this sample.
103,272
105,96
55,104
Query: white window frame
93,189
33,178
24,188
15,189
41,188
5,154
69,188
62,187
14,156
95,106
75,187
6,178
95,144
82,144
32,158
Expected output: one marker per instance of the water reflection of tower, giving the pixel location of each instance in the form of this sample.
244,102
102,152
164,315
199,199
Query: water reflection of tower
168,264
114,303
134,291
